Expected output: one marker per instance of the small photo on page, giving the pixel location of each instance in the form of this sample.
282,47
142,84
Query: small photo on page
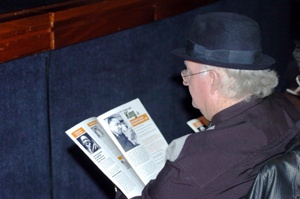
88,143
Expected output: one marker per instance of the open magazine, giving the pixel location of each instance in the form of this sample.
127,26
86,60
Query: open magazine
125,144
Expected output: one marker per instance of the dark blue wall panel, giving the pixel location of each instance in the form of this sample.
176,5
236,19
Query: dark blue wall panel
24,156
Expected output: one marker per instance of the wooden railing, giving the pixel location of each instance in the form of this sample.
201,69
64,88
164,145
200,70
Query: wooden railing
45,28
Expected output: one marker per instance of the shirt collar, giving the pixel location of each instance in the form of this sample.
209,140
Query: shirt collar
235,110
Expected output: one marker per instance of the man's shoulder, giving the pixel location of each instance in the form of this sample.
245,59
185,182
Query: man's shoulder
175,147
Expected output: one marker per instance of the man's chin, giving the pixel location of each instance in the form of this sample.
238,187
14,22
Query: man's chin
194,105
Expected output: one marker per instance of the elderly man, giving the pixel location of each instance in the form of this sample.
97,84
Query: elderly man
231,82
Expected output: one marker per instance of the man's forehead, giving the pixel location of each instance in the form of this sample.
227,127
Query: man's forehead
84,138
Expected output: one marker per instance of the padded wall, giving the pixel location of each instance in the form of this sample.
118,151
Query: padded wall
24,156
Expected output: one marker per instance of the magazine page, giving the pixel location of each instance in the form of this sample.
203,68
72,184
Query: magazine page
138,137
98,146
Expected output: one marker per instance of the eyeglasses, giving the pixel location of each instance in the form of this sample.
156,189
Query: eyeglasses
186,76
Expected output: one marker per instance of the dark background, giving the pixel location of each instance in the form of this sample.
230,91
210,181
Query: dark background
7,6
43,95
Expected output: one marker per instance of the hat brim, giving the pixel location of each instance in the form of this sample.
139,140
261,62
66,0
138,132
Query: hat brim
262,63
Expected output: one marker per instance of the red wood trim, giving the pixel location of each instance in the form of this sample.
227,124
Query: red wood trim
167,8
36,30
25,36
99,19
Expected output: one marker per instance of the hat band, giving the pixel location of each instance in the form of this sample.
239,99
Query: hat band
225,56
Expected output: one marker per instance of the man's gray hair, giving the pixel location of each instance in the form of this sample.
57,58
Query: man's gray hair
239,84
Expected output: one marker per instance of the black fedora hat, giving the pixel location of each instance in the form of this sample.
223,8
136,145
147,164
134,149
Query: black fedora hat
226,40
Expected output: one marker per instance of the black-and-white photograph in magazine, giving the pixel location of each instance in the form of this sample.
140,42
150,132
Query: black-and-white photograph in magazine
122,131
97,131
88,143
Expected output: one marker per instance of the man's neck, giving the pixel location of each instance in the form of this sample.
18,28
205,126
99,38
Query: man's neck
224,103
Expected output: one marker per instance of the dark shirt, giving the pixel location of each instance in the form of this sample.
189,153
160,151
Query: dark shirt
222,163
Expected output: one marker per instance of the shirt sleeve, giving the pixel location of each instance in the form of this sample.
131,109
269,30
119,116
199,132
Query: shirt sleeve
172,181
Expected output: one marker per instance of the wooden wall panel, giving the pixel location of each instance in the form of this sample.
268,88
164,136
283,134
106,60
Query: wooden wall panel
51,27
92,21
25,36
168,8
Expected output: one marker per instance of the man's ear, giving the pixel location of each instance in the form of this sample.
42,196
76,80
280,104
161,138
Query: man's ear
214,81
